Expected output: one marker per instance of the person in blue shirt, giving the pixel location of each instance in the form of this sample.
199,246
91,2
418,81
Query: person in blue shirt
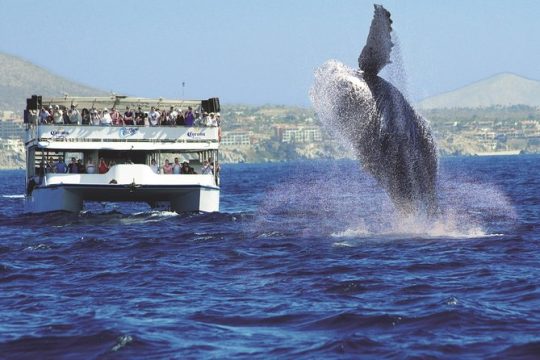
61,167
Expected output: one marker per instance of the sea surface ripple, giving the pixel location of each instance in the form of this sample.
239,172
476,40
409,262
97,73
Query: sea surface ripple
306,260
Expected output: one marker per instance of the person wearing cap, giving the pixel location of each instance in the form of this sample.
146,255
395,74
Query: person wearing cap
58,115
185,168
207,168
106,119
94,117
43,115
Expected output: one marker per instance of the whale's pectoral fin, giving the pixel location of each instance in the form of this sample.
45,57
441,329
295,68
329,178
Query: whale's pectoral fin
376,53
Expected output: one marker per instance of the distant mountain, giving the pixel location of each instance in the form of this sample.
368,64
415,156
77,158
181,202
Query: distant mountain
19,79
503,89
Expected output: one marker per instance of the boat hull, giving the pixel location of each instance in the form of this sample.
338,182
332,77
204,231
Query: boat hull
128,183
71,197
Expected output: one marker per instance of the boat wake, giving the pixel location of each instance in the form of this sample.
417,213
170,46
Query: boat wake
14,196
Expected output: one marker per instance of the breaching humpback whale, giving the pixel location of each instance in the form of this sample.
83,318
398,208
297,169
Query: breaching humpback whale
392,142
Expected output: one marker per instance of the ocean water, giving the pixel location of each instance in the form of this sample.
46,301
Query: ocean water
306,260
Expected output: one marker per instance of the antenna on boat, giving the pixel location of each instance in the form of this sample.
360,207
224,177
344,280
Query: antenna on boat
183,86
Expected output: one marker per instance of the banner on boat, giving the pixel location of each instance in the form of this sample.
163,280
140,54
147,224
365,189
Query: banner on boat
104,133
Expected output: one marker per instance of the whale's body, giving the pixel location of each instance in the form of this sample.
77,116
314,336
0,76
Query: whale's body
392,142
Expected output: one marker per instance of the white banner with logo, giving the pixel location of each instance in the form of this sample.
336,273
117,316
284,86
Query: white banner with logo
104,133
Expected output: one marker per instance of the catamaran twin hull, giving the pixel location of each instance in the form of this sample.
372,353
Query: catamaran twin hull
125,182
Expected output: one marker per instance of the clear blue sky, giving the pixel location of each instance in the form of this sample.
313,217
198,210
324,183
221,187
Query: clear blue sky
259,52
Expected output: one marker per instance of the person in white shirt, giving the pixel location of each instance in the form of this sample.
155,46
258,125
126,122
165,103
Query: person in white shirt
106,119
154,166
43,115
75,116
207,169
90,167
58,115
153,117
94,117
211,120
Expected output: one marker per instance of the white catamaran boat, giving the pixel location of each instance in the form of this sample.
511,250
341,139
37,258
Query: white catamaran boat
75,158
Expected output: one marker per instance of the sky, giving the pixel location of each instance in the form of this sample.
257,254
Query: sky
265,52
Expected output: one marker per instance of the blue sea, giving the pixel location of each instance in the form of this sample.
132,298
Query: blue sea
306,260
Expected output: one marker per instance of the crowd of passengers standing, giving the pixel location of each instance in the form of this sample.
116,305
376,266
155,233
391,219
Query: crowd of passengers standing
130,117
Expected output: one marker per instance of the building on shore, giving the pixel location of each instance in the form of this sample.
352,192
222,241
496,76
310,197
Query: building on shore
298,134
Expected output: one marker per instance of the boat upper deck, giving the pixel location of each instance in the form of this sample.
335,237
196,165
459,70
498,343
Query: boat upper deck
122,123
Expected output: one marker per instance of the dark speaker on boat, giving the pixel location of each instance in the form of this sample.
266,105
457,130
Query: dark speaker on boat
33,103
211,105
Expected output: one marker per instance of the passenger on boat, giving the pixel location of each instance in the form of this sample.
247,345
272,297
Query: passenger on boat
171,116
44,115
189,117
198,119
58,115
211,120
153,117
90,166
167,167
129,116
73,168
162,119
65,117
80,165
106,119
116,117
49,165
50,119
154,166
85,116
139,117
207,168
60,166
186,169
176,166
103,167
75,116
180,121
218,119
94,117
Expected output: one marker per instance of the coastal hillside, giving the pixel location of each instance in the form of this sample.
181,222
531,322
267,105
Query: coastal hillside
500,90
19,79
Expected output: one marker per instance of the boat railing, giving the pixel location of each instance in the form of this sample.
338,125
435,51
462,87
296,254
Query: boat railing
126,174
83,133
